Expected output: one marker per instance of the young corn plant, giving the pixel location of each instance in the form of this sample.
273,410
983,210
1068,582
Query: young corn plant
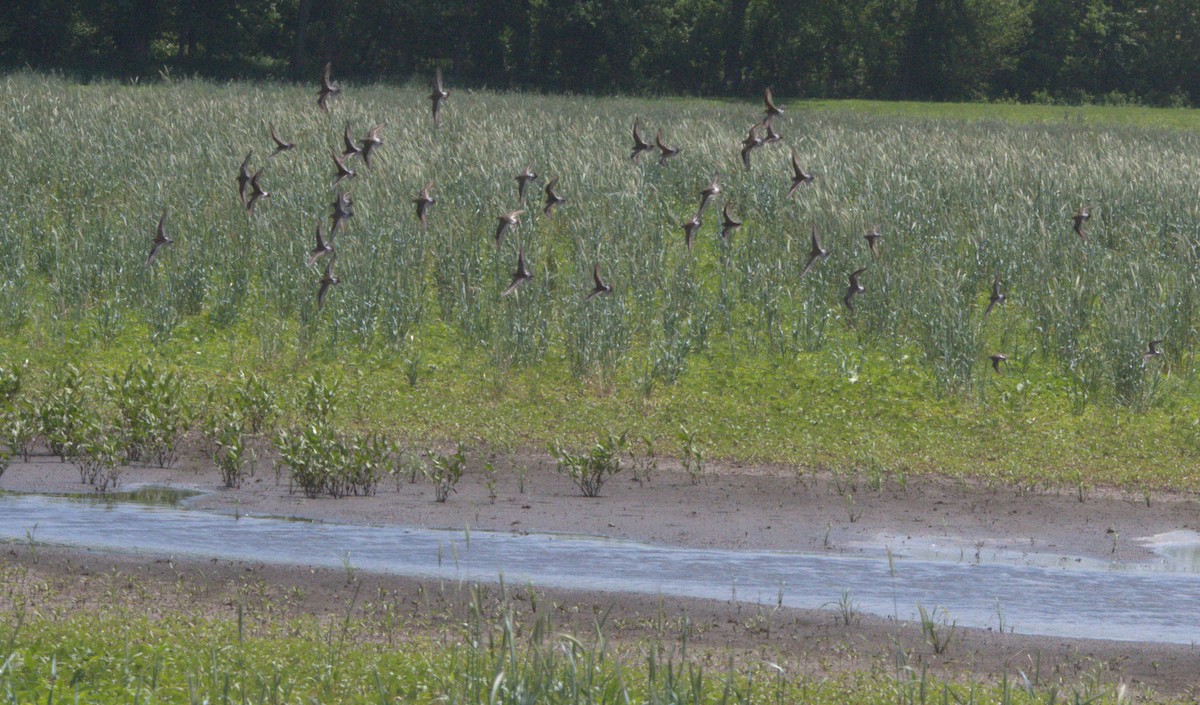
691,453
589,470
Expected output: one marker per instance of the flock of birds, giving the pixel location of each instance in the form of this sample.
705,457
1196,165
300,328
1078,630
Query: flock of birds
251,192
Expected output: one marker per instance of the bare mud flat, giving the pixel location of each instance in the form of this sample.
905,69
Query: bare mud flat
733,507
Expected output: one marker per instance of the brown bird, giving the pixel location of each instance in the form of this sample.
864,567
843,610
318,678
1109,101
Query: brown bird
799,178
370,142
523,180
600,289
328,88
873,237
772,136
639,143
552,197
728,224
438,95
689,229
243,177
343,172
256,191
815,253
322,248
854,289
280,145
520,276
1080,217
995,298
1152,350
772,110
160,238
351,148
423,201
706,193
752,142
343,210
996,360
666,151
506,220
327,281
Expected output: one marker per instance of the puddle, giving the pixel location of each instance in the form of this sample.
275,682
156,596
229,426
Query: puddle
1034,599
1178,551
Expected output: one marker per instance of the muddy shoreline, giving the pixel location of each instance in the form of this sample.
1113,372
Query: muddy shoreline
733,507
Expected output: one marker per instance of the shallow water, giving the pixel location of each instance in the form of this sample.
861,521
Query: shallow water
1078,600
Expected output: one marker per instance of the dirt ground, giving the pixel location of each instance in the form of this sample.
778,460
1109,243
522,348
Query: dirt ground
734,506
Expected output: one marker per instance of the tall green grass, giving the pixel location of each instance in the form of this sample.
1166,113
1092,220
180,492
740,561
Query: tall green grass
958,202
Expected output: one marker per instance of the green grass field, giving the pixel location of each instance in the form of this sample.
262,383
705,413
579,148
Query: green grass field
727,341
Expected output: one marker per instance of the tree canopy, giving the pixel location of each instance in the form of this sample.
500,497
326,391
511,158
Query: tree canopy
1069,50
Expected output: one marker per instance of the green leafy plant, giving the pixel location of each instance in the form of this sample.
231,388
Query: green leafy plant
152,412
938,633
231,456
445,471
96,453
589,470
64,411
256,401
691,453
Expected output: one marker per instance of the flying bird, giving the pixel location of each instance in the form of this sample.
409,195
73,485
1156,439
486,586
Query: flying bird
752,142
873,237
505,221
666,150
523,180
996,297
323,248
328,88
772,136
706,193
256,191
370,142
423,201
1081,216
1152,350
769,101
160,238
639,143
552,197
600,289
280,145
520,276
728,224
348,139
996,360
343,172
243,177
343,210
815,253
854,289
689,229
327,281
438,95
799,178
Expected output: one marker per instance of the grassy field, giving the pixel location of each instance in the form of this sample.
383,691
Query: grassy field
503,648
726,341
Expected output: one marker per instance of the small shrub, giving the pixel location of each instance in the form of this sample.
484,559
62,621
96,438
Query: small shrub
96,453
589,471
62,414
310,456
369,458
257,402
18,428
10,383
152,412
445,471
231,456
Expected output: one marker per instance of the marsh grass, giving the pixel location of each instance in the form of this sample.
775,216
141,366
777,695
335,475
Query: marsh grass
772,365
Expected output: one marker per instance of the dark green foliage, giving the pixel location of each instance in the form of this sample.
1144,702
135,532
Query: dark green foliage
1106,50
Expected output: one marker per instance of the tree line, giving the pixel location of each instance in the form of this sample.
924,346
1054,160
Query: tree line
1045,50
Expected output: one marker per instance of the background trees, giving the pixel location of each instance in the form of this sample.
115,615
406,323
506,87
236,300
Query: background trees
1072,50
